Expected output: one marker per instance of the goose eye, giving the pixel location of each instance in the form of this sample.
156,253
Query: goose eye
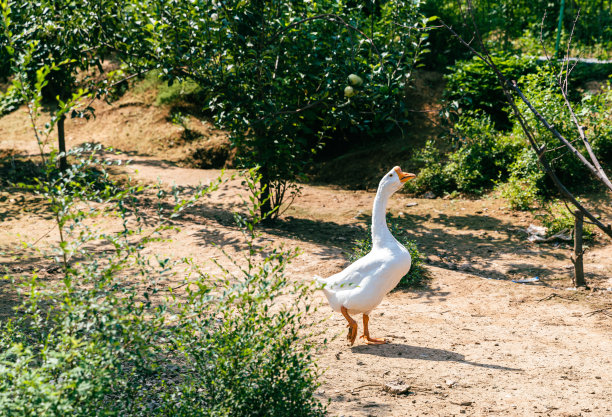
390,175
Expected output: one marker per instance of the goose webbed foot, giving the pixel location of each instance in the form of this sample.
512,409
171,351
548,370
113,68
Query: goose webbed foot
366,333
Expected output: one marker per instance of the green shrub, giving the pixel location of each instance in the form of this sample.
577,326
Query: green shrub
274,73
110,339
594,112
431,177
559,219
482,156
475,86
417,274
521,194
596,115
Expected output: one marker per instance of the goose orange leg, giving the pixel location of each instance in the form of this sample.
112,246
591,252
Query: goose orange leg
352,333
366,333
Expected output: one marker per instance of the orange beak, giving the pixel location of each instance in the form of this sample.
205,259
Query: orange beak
404,176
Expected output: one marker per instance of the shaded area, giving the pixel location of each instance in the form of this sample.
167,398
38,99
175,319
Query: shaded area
16,168
400,350
472,243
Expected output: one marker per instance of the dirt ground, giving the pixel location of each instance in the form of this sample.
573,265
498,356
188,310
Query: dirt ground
470,342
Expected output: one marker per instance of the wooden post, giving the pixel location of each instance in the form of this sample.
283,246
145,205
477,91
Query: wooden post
578,266
559,28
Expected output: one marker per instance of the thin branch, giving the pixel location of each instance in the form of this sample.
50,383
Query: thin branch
542,38
597,171
116,83
563,85
299,110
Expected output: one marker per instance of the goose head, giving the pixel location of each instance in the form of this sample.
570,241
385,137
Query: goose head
394,180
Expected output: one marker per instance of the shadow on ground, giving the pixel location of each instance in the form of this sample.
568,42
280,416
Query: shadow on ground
403,351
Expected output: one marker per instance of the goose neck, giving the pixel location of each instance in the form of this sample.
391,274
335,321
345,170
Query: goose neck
380,231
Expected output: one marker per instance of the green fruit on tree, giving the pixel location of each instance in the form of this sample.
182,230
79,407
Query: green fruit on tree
355,79
348,91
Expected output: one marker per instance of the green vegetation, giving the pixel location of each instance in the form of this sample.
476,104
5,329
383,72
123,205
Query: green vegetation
483,155
106,336
521,193
417,274
516,26
475,87
166,93
284,78
43,33
558,219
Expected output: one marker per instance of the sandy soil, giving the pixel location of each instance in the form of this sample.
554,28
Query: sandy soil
470,342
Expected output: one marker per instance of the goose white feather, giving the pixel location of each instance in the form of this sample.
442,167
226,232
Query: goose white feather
362,285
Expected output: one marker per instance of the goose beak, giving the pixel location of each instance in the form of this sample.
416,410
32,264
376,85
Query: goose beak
404,176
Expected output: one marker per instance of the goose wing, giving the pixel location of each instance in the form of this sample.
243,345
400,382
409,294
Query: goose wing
356,273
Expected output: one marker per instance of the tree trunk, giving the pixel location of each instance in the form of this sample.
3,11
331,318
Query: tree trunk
61,140
578,266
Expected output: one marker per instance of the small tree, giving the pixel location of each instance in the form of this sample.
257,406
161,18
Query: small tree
283,76
53,31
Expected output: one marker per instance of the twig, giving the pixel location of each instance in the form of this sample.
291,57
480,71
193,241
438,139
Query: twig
553,295
180,286
375,384
46,234
601,310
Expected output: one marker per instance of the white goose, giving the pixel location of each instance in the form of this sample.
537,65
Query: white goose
362,285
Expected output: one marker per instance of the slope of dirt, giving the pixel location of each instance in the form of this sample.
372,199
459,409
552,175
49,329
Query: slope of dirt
133,125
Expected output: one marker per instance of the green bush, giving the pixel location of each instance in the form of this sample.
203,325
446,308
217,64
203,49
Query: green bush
475,86
521,194
276,73
596,115
559,219
110,339
517,25
483,156
594,112
431,177
417,274
480,158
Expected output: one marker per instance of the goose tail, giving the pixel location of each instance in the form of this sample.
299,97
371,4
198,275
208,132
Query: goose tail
322,285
